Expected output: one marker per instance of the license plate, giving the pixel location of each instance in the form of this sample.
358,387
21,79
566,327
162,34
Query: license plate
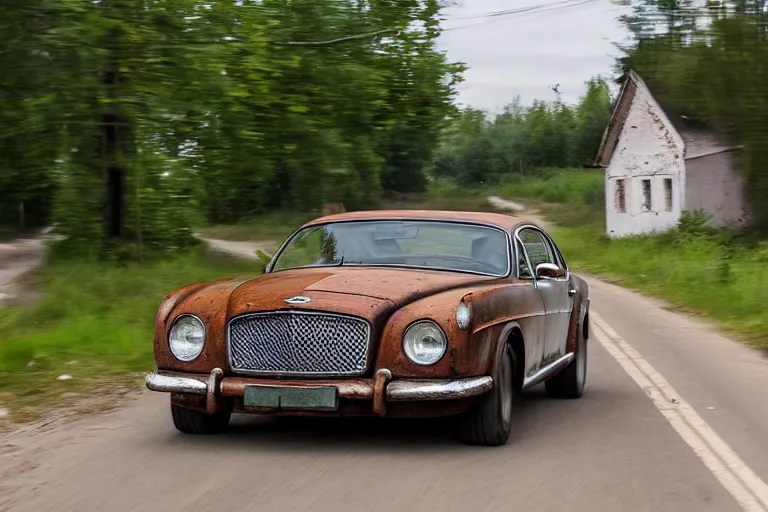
282,397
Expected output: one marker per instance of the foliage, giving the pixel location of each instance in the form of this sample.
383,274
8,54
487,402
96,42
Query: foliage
476,149
129,120
95,322
574,186
720,275
709,65
707,273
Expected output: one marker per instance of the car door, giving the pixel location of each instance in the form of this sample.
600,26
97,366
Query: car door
533,323
555,292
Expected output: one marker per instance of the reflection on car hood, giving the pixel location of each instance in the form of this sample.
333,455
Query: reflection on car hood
400,286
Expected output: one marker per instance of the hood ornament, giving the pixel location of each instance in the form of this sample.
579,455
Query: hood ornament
300,299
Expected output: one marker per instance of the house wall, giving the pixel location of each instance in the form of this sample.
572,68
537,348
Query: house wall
648,149
714,185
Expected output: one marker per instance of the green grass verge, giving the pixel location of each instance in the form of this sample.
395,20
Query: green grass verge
716,275
94,323
271,226
719,275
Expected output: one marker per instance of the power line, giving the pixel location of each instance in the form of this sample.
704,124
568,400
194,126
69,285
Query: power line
337,40
493,15
506,12
527,10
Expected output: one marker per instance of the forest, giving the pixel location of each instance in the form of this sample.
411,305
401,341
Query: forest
129,122
476,148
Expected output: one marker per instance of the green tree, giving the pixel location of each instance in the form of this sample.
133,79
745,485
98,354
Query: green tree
715,76
477,149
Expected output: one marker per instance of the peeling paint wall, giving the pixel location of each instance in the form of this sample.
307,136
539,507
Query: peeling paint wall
648,149
714,186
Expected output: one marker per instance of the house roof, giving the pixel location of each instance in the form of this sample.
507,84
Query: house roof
697,141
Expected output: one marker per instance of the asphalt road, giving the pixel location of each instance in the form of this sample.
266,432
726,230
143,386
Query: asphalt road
674,418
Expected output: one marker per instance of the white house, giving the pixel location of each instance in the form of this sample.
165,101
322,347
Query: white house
658,165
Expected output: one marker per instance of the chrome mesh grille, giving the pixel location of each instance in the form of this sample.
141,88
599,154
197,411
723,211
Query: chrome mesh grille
299,343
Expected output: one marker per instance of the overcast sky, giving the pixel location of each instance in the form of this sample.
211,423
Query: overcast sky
561,41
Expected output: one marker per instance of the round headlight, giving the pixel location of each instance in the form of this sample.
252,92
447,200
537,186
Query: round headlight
424,342
187,338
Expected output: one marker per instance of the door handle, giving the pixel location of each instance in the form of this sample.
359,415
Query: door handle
571,292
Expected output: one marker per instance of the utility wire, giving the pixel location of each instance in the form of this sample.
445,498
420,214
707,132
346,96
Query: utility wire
493,16
527,10
335,41
506,12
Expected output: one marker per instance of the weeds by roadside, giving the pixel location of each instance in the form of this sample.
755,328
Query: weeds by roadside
271,226
718,274
94,324
702,271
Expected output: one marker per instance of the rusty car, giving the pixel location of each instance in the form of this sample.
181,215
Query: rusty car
395,313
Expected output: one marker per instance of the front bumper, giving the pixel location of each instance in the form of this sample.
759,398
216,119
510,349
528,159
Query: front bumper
381,389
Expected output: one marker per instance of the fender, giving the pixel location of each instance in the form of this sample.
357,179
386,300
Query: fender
518,347
581,301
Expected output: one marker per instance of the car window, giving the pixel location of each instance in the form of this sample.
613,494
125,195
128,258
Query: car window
524,272
563,264
537,248
437,245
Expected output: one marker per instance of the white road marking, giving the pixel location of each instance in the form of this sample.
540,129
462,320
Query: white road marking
749,491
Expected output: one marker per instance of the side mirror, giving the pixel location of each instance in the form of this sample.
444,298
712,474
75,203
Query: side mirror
549,271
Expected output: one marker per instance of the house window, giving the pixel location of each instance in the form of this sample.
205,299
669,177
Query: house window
646,206
668,194
620,199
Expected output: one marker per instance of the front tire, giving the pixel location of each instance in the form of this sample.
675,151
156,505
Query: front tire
569,383
200,423
490,422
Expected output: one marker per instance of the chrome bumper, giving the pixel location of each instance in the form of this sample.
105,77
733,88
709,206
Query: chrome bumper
173,384
401,390
413,390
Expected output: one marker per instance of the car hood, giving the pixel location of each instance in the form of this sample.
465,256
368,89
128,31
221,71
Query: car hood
335,286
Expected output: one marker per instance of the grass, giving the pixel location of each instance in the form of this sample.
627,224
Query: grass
721,276
715,275
271,226
95,320
94,323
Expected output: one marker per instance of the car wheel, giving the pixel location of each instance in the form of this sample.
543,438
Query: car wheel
569,383
490,422
196,422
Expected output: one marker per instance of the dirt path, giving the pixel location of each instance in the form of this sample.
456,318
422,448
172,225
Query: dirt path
240,249
16,259
523,212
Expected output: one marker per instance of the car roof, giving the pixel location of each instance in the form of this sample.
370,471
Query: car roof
500,220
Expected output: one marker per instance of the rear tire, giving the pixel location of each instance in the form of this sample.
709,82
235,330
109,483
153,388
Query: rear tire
569,383
196,422
490,423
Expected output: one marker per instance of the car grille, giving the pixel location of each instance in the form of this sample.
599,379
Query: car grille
299,344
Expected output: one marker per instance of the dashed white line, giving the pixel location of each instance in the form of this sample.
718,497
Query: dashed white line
749,491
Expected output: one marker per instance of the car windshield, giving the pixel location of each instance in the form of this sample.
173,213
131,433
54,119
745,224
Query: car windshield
437,245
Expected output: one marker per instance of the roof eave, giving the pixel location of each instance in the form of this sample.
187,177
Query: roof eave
634,77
